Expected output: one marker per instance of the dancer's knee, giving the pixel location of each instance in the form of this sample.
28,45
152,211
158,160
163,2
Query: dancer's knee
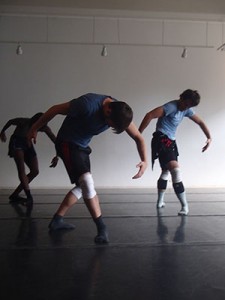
86,183
176,175
76,191
177,181
162,181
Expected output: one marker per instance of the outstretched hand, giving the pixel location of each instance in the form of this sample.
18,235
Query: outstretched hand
3,137
54,162
142,167
206,145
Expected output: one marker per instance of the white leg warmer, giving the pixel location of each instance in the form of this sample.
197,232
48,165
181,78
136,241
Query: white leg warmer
77,192
87,186
164,175
162,184
179,190
176,175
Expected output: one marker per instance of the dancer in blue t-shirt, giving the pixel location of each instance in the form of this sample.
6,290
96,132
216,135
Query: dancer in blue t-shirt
87,116
164,147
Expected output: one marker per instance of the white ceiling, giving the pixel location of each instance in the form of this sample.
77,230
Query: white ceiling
183,6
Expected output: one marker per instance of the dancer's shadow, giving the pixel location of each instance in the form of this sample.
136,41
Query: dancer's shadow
27,231
163,232
56,236
179,236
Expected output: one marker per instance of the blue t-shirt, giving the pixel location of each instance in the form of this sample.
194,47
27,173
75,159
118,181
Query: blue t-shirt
172,118
84,120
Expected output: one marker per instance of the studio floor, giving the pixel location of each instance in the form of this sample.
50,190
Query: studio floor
151,255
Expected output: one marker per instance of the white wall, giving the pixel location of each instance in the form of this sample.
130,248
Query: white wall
62,60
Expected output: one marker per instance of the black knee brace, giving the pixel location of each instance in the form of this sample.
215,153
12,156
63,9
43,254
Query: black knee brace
161,184
178,187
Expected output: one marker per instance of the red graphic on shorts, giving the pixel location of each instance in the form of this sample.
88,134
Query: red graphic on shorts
167,142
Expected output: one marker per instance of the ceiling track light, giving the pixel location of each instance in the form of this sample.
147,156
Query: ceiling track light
19,50
104,51
184,53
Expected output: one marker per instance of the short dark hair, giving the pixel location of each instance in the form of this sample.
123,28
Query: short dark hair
191,95
35,118
121,116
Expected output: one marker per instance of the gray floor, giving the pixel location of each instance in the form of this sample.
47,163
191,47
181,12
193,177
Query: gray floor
151,255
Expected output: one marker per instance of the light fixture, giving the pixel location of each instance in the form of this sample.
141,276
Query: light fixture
222,47
184,53
104,51
19,50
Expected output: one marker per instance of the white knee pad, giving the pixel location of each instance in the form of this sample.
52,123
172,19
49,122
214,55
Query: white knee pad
87,186
164,175
77,192
176,175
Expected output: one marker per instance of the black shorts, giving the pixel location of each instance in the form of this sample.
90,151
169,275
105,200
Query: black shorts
20,143
76,159
164,149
